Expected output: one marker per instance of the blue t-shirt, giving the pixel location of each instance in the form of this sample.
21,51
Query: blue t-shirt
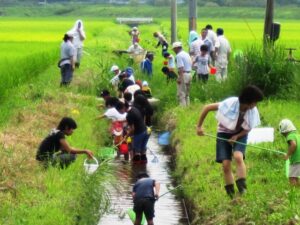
146,67
143,188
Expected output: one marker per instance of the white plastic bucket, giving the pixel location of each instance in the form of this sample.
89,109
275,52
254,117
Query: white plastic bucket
91,167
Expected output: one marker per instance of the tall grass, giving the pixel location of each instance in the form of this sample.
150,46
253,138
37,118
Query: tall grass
268,69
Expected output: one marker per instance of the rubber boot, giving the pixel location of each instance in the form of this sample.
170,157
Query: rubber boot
230,190
241,185
144,159
136,159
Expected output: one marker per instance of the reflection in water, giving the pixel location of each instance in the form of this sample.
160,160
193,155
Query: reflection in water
168,209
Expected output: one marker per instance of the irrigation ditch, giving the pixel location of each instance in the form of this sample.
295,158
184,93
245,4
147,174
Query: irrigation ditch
170,209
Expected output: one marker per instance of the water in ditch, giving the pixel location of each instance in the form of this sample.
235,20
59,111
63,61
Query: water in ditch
169,209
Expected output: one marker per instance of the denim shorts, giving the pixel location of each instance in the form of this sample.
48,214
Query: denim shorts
225,149
139,142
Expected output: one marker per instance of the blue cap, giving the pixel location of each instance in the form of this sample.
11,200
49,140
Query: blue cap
129,71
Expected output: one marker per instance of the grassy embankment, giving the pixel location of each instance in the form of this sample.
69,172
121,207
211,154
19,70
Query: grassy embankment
31,104
32,196
269,200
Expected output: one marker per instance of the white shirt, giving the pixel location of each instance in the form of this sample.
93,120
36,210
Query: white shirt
202,64
114,115
132,88
131,78
67,52
209,44
77,42
212,36
195,47
171,62
184,60
135,49
223,51
115,80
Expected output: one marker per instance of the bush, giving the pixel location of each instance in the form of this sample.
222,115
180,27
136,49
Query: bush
268,70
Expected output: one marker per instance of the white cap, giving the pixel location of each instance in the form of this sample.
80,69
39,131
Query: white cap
134,28
145,83
114,68
286,126
176,44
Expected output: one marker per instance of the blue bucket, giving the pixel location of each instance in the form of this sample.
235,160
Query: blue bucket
164,138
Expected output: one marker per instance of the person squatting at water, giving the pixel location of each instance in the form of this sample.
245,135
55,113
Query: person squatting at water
66,63
78,37
145,192
236,117
55,149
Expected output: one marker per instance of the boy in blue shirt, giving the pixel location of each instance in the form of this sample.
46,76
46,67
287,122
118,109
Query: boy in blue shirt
145,192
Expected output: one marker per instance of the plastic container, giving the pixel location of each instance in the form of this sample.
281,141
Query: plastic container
131,215
164,138
123,148
91,167
213,70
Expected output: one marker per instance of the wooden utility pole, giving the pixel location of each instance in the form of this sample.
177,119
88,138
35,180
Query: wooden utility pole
173,21
192,15
268,20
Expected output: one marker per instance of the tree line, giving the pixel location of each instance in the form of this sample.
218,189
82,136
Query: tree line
230,3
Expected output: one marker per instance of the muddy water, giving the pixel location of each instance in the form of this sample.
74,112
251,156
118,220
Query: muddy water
168,209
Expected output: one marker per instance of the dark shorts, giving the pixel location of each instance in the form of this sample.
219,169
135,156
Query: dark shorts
139,142
203,77
66,73
225,149
146,206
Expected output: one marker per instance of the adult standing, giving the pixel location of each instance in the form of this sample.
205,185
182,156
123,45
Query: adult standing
134,33
207,41
212,36
222,56
66,63
79,37
184,66
161,41
195,43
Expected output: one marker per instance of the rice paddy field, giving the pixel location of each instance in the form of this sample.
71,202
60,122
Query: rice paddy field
31,103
